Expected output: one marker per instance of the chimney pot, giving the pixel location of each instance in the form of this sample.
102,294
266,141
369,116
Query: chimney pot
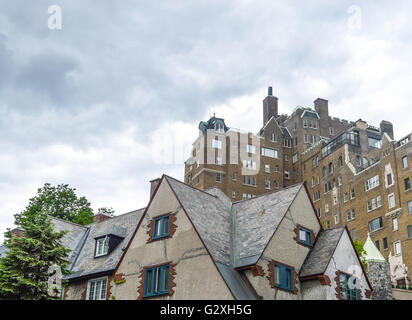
270,92
153,185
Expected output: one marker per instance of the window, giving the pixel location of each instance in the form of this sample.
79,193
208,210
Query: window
219,161
375,224
233,194
327,187
395,224
348,287
244,197
276,168
375,143
389,181
96,289
326,207
156,281
340,162
305,236
404,162
276,184
271,153
358,161
385,243
161,227
377,245
250,148
286,157
267,168
327,224
365,162
372,183
374,203
352,193
350,215
325,172
282,276
339,180
407,184
397,247
409,231
267,184
336,219
234,176
286,174
295,157
216,144
313,182
330,167
305,123
287,143
409,206
319,212
345,197
331,131
391,201
102,246
218,177
316,196
249,180
273,137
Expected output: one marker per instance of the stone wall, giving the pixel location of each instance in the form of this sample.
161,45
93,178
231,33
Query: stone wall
380,279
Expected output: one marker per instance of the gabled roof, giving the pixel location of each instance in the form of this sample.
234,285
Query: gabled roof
310,114
372,252
73,239
256,220
121,226
318,259
209,215
285,132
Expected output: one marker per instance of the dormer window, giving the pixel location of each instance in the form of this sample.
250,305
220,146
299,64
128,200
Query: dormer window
102,246
161,227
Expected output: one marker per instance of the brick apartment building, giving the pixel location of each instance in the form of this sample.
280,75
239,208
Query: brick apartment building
357,174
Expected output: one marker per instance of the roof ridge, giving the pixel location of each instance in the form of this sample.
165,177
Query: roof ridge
270,192
70,222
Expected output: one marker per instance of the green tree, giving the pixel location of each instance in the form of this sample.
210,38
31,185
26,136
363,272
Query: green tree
361,251
61,202
106,210
24,270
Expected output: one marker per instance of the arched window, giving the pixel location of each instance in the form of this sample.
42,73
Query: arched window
276,184
330,167
365,162
409,231
358,161
324,171
340,162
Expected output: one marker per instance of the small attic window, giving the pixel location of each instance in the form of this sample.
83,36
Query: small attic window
102,247
305,236
161,227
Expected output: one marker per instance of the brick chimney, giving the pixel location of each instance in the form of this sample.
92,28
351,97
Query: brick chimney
387,127
153,185
361,124
99,217
270,106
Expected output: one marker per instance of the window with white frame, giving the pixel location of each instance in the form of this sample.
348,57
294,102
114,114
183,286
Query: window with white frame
244,196
391,201
316,196
295,157
267,168
273,137
102,246
374,203
219,161
233,194
389,180
267,184
352,193
218,177
271,153
397,248
286,174
331,131
372,183
96,289
336,219
250,148
326,207
395,224
375,224
404,162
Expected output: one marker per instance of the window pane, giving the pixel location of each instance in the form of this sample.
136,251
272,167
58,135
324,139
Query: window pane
91,290
149,275
165,279
288,278
103,290
277,274
166,226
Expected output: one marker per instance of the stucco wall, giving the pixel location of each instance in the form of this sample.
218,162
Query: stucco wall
196,275
75,291
344,259
284,249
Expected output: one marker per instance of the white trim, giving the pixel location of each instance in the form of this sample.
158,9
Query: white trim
96,280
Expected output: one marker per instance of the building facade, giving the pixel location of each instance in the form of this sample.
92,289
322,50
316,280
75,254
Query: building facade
357,175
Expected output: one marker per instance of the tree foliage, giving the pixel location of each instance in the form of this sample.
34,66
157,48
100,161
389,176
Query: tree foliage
361,251
24,270
61,202
106,211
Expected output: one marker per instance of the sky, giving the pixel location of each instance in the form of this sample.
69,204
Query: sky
110,96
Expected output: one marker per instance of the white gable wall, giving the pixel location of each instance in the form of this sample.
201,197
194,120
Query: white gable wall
345,259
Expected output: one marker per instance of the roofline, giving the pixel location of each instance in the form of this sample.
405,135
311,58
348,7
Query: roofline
194,227
90,275
138,225
280,222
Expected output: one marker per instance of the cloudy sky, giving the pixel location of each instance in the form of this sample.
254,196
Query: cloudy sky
113,99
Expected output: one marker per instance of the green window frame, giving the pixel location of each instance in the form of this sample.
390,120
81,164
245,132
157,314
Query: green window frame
282,276
161,227
305,236
156,281
348,287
